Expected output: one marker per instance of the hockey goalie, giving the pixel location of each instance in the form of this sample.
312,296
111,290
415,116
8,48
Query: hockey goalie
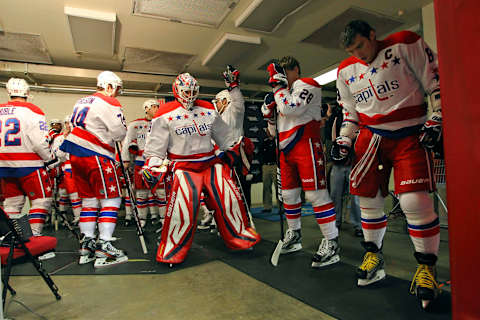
182,132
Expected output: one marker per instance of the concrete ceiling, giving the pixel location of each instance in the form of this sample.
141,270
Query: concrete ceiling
47,19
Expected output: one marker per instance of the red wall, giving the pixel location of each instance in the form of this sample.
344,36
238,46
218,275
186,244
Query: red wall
458,42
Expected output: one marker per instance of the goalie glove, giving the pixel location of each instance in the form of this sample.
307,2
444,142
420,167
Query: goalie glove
154,177
268,106
241,154
231,77
341,149
431,132
278,78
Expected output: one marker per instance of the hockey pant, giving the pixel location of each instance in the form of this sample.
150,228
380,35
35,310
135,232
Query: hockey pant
222,196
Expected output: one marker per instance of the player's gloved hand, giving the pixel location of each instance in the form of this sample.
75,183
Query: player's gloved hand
431,132
277,75
54,162
341,149
240,154
231,77
269,105
133,149
154,176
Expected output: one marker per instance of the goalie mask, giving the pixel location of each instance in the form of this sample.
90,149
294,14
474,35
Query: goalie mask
185,89
18,88
106,78
222,100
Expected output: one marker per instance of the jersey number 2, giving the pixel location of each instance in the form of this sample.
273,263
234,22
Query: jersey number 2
13,126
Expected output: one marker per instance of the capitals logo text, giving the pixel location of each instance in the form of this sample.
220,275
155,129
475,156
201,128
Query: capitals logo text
380,91
193,128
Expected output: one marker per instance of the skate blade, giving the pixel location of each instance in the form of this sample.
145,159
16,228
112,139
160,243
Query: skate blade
294,248
334,259
85,259
425,303
378,276
46,256
106,262
199,227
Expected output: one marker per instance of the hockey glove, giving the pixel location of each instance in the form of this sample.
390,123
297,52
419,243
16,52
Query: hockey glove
341,149
269,105
133,149
277,75
55,162
240,155
231,77
431,132
154,177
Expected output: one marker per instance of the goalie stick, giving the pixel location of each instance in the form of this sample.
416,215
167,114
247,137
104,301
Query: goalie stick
132,199
244,199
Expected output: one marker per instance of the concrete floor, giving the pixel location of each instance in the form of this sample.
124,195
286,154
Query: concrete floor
210,291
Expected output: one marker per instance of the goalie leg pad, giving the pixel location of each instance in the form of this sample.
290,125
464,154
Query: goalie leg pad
223,196
181,217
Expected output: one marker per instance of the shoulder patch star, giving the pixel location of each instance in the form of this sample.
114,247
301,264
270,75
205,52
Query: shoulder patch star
352,79
361,76
108,170
186,116
281,95
292,105
374,70
170,118
209,113
202,113
396,60
179,117
385,65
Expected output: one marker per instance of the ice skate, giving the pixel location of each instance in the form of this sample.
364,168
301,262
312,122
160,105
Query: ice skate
424,284
143,223
155,220
107,255
87,250
327,253
206,220
213,226
372,268
292,241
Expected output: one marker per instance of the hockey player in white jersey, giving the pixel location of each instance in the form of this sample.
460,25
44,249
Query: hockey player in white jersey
98,123
24,153
381,88
230,104
134,145
182,131
302,163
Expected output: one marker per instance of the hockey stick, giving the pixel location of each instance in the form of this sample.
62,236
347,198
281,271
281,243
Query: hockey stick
132,199
244,199
278,248
59,213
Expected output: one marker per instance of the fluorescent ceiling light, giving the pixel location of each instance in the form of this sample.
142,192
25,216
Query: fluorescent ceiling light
327,77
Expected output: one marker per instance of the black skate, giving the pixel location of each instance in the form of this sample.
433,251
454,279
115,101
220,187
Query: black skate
87,250
424,284
372,268
128,222
106,255
292,241
327,253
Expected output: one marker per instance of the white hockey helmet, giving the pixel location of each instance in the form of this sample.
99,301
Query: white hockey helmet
18,88
106,78
149,103
186,89
224,94
55,121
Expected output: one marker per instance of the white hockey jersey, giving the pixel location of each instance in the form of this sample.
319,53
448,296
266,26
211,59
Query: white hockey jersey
387,95
98,122
233,115
186,135
299,112
23,139
136,136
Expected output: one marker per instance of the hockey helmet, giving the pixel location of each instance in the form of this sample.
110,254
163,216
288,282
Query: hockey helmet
149,103
185,89
18,88
55,121
106,78
218,101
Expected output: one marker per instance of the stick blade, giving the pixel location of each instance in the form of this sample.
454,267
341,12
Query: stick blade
276,253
